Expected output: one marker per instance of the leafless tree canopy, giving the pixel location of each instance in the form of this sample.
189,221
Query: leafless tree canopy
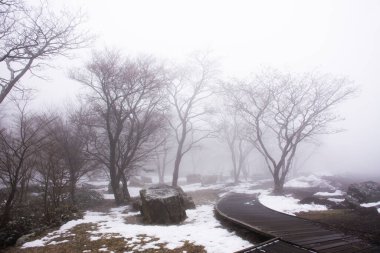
30,37
18,148
287,110
189,89
232,131
126,98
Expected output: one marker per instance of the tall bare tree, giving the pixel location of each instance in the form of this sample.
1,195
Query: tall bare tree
188,94
233,132
30,37
125,96
161,160
283,110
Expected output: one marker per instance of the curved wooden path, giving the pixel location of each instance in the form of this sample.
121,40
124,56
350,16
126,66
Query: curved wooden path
287,233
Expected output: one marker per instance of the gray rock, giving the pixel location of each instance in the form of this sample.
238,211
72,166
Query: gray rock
25,238
365,192
162,204
187,201
208,180
146,180
136,204
193,178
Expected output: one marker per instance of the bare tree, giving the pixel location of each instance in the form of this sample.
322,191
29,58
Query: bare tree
53,175
188,92
18,145
282,111
139,140
232,131
125,95
72,137
161,160
30,37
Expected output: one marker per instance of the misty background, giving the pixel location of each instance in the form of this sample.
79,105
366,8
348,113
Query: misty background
339,37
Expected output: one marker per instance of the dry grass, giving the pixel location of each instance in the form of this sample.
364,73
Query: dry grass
78,240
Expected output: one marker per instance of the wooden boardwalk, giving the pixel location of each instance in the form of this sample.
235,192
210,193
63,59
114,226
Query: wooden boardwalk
288,233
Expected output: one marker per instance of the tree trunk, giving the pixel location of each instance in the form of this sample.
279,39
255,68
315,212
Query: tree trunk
72,191
161,172
161,179
126,195
176,170
278,188
117,191
177,162
115,177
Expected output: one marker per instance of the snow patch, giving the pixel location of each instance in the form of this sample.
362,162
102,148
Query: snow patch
328,194
288,204
198,186
308,181
201,228
335,200
370,204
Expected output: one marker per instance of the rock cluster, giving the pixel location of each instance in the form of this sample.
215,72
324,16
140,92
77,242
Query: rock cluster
365,192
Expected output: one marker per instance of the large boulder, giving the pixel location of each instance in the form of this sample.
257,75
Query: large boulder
365,192
163,204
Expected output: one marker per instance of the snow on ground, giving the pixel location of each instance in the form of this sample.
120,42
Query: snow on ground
329,194
370,204
288,204
244,188
308,181
335,200
376,204
198,186
108,196
201,228
98,182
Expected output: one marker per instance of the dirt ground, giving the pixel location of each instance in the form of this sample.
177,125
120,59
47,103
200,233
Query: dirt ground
347,221
78,238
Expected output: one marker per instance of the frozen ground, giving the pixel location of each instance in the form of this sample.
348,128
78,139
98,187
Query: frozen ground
200,228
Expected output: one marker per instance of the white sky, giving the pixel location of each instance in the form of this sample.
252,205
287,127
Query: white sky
339,37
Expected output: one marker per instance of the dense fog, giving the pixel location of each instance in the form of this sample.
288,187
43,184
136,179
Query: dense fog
329,37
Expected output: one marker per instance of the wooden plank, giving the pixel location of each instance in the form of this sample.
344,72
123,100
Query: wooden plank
275,246
331,245
306,241
291,230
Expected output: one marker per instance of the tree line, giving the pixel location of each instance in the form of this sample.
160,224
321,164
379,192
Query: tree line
136,109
